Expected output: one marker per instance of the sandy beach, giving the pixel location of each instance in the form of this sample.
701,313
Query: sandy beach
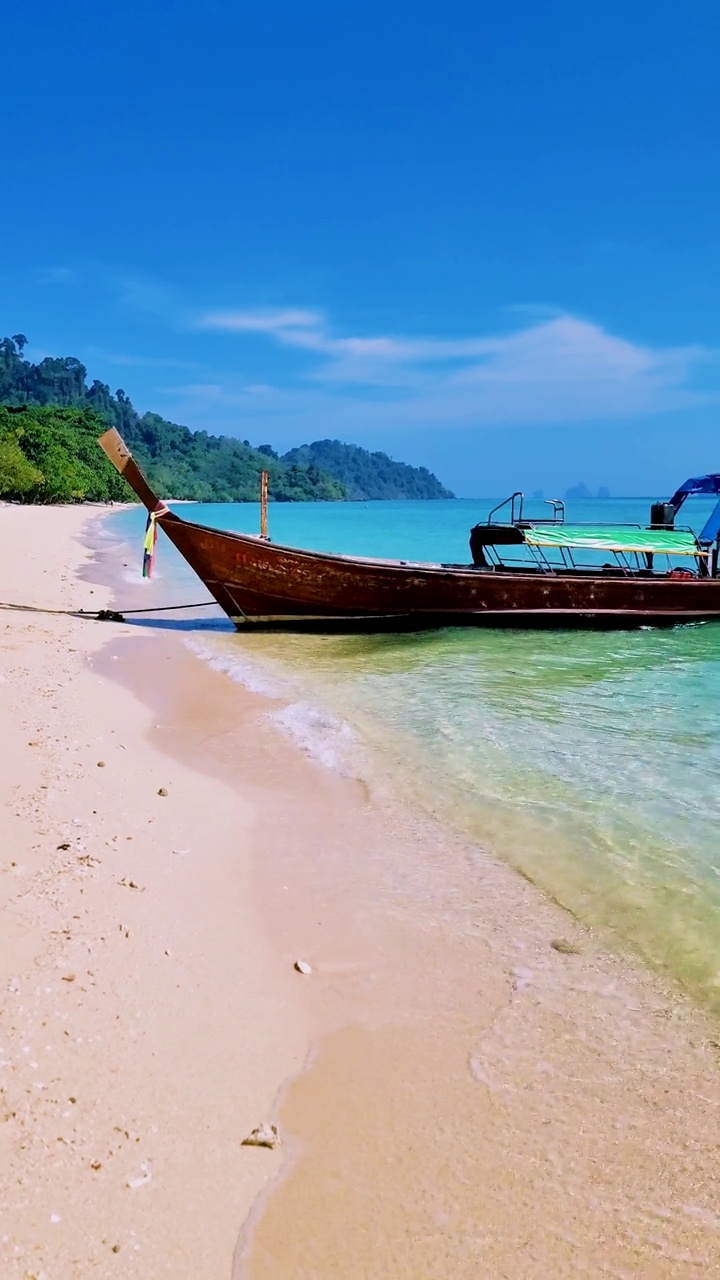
145,1024
492,1090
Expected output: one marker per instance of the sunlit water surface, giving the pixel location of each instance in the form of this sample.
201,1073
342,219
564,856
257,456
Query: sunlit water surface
590,761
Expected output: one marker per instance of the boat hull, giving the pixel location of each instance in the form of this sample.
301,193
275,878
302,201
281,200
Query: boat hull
261,585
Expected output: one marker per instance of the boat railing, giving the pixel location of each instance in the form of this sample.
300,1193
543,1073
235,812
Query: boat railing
515,503
558,506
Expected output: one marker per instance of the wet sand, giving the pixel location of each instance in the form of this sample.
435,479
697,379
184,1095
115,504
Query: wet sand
477,1102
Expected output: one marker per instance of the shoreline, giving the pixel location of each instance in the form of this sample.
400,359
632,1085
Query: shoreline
453,1042
389,957
469,1081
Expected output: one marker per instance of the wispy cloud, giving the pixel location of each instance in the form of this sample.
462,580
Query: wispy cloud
309,329
273,322
537,365
557,368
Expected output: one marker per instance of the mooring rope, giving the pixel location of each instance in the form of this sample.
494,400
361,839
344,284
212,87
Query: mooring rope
102,615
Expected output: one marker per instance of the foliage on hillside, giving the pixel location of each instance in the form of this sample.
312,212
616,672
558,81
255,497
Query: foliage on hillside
180,463
192,464
50,454
368,475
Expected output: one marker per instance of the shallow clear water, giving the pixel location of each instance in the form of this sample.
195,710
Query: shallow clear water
589,760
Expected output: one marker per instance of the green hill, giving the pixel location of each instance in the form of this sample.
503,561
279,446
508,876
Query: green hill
366,475
50,417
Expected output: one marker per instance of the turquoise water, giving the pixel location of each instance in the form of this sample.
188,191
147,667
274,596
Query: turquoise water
591,761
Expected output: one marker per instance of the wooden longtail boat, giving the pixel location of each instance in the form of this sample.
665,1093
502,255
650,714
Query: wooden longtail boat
635,579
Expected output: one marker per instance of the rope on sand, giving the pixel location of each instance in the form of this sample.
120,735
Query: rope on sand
103,615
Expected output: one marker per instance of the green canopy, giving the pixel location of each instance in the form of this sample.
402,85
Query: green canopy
668,542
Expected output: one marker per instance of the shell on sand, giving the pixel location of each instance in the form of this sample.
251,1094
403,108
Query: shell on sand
266,1135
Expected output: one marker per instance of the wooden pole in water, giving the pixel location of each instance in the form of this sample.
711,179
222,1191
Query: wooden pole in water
263,505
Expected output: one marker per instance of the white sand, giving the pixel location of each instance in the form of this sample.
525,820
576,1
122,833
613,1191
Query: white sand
144,1026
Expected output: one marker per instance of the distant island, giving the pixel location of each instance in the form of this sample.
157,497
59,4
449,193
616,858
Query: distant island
581,491
50,420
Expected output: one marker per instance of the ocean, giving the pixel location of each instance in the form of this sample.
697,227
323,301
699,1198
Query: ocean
589,761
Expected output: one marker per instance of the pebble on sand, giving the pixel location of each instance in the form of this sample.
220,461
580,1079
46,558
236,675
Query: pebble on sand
302,966
142,1179
266,1135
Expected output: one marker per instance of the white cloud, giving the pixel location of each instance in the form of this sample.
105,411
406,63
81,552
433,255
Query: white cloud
281,323
309,329
558,368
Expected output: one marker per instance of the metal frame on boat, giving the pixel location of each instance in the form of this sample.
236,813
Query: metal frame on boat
261,584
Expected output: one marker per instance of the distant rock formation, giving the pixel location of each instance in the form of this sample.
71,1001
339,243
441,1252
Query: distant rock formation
581,491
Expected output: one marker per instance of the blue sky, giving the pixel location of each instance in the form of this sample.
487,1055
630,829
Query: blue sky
483,237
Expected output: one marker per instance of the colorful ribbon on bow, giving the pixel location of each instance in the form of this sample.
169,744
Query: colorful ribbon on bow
151,539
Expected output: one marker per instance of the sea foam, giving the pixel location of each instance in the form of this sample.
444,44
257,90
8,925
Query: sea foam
249,674
321,735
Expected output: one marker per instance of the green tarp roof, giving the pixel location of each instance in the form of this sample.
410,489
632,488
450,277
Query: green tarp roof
669,542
